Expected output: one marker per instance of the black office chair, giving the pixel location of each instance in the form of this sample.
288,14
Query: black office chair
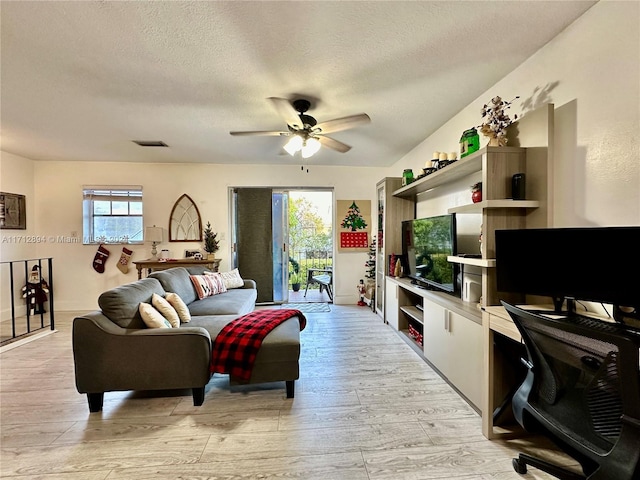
581,390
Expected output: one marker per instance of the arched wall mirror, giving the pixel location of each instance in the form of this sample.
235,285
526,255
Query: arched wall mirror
184,223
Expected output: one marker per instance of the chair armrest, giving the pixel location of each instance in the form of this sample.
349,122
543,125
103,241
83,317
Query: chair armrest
108,357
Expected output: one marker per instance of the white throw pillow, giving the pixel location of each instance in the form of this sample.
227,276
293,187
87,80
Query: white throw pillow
181,308
166,309
232,279
151,317
208,285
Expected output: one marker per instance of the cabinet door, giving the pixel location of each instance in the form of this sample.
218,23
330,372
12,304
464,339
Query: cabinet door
436,336
391,304
465,357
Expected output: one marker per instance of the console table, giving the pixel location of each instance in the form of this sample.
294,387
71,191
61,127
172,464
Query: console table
157,264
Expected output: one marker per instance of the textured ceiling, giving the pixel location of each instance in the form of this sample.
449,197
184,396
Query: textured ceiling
81,80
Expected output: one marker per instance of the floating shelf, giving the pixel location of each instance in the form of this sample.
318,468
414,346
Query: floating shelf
459,169
477,262
502,203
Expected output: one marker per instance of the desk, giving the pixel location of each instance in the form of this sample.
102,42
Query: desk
152,264
496,383
499,372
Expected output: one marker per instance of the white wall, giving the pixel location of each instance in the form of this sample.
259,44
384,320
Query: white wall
16,176
590,72
59,213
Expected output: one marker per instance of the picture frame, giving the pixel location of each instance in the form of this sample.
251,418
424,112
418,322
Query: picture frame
13,212
193,254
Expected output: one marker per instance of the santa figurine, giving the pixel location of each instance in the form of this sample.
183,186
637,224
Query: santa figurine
35,292
362,290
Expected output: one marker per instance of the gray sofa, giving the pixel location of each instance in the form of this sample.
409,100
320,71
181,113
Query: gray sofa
114,350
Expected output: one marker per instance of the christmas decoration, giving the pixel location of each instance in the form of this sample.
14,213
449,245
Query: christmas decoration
371,262
362,290
99,260
370,275
125,257
211,244
35,292
397,271
354,220
354,228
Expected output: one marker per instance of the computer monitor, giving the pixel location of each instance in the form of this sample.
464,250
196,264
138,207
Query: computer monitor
599,264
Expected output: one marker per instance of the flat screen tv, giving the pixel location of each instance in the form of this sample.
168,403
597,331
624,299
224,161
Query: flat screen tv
426,243
598,264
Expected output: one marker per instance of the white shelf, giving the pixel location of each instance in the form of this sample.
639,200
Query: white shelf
477,262
414,312
502,203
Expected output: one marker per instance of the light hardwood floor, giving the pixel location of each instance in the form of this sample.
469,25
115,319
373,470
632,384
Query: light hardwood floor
366,408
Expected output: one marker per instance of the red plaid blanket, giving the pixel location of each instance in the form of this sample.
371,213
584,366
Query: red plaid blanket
236,346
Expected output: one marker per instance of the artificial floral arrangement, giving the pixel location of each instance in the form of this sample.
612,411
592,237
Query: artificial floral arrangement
496,120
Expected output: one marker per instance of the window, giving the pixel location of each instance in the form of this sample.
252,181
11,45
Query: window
112,214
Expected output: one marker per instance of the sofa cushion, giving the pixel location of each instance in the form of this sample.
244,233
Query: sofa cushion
177,280
233,302
151,317
211,323
232,279
120,304
208,285
165,309
181,308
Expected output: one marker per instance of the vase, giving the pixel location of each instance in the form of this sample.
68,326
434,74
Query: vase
476,196
211,256
493,141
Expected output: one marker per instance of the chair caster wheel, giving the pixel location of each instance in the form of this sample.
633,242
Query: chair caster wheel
518,466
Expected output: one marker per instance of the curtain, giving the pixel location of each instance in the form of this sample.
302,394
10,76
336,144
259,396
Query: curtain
254,238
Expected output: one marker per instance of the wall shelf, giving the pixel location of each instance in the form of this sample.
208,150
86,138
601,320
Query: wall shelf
504,203
476,262
459,169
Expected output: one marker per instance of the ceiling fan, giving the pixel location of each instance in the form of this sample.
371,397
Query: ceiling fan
305,133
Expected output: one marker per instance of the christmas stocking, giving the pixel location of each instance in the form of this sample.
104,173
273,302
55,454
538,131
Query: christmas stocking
123,263
101,257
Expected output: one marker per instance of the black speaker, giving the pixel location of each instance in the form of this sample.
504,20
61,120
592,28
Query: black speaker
518,187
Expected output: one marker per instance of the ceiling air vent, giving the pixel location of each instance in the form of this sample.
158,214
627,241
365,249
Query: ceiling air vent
150,143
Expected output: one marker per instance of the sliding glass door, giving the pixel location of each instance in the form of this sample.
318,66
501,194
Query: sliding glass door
267,223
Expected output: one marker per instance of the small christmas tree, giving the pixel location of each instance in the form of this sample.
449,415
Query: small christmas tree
354,220
211,244
371,273
371,262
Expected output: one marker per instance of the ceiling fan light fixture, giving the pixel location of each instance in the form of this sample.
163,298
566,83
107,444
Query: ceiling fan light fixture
294,144
310,147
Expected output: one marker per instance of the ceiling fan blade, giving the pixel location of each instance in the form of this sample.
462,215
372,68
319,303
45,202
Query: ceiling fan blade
287,112
343,123
268,133
333,144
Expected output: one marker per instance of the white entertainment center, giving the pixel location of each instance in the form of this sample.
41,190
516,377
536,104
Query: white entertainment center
454,333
